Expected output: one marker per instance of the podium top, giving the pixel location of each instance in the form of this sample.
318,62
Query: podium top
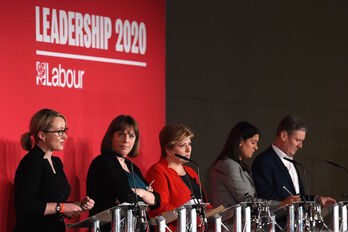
104,216
189,205
172,215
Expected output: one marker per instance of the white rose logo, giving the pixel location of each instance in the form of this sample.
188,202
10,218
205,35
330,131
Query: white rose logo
41,72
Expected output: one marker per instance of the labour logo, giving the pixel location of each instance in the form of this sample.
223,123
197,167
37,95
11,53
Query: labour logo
41,73
58,76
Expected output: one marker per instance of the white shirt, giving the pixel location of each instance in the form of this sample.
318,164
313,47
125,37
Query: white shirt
290,166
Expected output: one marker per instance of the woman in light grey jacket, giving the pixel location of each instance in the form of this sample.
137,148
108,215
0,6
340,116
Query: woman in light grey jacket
230,177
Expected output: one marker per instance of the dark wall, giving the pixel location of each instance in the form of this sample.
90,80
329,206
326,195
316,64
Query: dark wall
259,61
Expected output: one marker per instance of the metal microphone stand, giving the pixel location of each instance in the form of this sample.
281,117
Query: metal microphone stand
141,220
201,209
141,213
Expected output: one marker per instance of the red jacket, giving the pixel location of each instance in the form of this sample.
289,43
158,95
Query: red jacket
172,189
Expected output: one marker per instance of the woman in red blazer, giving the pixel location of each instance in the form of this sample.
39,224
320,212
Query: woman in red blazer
175,182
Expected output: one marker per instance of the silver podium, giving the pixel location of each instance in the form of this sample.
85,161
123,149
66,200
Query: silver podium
185,215
235,218
115,215
339,220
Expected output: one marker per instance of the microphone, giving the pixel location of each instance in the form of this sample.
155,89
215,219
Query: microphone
251,199
336,165
340,167
205,220
140,212
304,174
248,197
186,159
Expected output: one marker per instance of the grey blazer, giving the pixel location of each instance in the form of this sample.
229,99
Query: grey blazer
229,184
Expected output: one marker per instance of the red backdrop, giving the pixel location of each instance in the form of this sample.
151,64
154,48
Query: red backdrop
91,61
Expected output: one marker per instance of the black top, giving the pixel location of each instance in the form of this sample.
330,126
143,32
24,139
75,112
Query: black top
107,183
193,186
35,185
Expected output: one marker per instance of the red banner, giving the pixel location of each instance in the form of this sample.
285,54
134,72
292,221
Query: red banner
89,60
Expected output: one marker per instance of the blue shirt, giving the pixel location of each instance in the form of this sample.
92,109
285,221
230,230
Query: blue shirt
139,183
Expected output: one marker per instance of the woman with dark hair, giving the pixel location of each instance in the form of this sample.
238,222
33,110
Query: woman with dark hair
230,177
110,175
176,183
41,187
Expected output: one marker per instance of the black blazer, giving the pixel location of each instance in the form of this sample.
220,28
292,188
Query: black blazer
270,175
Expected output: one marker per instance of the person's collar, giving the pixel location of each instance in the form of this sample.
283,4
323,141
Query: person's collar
164,161
281,153
38,151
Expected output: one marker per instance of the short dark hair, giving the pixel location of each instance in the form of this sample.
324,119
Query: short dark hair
171,134
120,123
241,131
290,124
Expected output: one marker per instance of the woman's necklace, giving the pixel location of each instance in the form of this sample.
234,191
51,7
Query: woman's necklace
123,164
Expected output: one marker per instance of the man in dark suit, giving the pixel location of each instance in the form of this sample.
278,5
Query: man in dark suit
277,178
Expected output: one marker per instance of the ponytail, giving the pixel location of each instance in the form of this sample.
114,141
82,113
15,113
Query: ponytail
27,141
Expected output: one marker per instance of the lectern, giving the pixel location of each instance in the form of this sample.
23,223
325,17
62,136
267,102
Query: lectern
115,215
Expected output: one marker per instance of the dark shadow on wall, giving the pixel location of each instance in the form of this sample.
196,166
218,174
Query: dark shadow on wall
10,156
